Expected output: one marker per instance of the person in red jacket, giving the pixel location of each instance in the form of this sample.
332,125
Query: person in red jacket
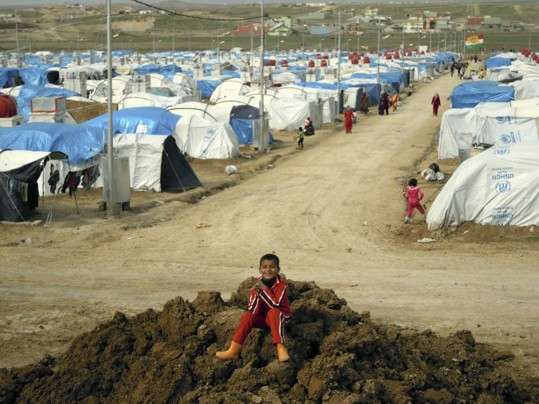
413,195
436,102
268,308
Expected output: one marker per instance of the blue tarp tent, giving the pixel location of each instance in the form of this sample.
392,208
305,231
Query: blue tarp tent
468,95
145,120
29,91
207,87
39,76
241,120
8,77
167,70
78,142
497,62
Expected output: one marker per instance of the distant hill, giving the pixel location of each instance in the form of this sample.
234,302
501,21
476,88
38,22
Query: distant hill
174,4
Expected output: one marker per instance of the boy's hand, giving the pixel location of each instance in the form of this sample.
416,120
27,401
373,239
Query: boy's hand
258,285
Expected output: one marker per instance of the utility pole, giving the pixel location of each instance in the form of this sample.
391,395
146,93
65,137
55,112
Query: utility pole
262,81
378,55
339,106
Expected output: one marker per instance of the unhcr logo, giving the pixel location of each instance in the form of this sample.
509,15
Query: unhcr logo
503,187
502,216
503,176
502,151
504,119
511,137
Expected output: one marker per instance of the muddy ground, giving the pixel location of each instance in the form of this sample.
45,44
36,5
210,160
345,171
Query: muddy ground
338,355
455,319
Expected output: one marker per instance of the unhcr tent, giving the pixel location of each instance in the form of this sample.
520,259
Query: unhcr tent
229,88
456,132
499,187
506,131
134,100
202,139
19,174
155,163
487,123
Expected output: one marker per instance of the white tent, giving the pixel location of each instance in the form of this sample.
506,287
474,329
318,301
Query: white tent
200,109
488,121
100,88
327,110
203,139
506,131
456,132
287,114
499,186
185,81
148,100
155,163
229,88
525,89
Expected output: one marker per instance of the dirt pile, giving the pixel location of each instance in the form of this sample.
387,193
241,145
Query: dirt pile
337,355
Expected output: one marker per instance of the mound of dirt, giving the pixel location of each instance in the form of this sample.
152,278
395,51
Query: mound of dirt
337,355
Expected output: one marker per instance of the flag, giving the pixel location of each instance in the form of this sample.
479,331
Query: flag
474,41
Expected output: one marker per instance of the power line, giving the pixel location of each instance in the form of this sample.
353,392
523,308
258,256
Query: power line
195,17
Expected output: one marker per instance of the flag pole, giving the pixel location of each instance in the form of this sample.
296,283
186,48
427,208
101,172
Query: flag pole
464,51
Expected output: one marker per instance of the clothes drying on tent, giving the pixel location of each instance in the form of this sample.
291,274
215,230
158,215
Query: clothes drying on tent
19,173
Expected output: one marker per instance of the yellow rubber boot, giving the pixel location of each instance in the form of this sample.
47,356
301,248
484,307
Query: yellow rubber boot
232,353
282,353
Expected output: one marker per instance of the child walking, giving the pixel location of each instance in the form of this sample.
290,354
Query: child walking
268,308
413,195
301,136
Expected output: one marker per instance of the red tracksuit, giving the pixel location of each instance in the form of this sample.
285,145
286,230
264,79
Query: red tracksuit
267,309
414,195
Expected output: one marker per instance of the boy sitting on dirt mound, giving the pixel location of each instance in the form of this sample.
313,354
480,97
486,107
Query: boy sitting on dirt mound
268,308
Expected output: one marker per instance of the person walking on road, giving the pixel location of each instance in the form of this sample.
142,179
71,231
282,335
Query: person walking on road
436,102
348,119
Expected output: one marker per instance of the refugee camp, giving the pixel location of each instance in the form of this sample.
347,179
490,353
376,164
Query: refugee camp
269,202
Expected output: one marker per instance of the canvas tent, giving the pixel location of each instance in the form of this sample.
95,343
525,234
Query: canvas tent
499,187
487,123
19,174
203,139
229,88
155,163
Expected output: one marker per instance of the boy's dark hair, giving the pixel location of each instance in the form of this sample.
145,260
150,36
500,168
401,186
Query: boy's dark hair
270,257
300,128
412,182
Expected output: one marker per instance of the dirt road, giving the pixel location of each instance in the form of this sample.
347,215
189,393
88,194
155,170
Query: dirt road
332,212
